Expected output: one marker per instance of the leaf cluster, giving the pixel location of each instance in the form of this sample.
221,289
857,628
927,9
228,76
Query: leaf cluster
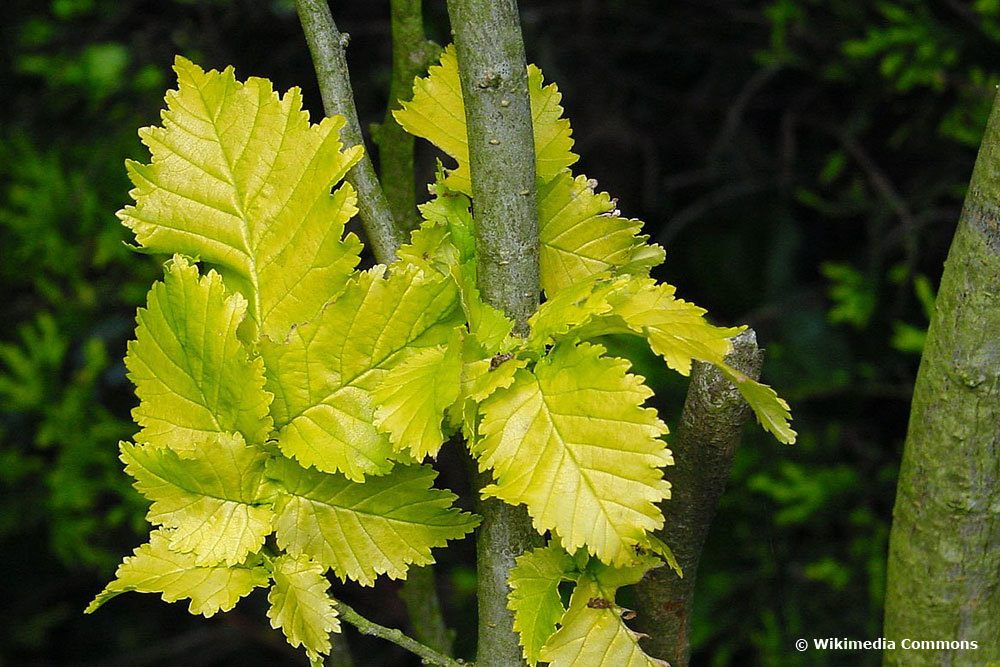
288,401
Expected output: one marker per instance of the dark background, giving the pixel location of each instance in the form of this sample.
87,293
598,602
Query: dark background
802,161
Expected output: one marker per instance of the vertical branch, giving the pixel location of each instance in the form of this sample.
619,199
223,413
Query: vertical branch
340,652
943,549
327,46
412,53
501,152
707,436
420,595
494,81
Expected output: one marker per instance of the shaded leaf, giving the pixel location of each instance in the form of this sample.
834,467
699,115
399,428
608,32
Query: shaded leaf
363,530
193,376
324,374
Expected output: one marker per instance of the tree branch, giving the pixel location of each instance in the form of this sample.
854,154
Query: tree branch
327,46
493,74
501,152
412,53
420,596
709,431
340,652
429,655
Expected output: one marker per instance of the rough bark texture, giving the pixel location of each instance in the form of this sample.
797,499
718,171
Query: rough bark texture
494,80
327,46
412,53
419,593
709,431
944,550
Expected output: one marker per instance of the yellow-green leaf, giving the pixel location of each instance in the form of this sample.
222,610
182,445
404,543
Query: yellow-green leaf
193,376
362,530
678,332
660,548
216,499
437,113
240,179
593,632
481,376
570,309
301,606
489,327
771,410
324,374
572,442
676,329
414,395
154,568
534,596
582,235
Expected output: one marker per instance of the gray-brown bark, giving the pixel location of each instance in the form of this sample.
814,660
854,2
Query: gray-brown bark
494,81
501,152
327,46
944,550
709,431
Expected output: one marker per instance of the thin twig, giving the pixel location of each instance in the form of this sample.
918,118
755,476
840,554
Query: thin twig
713,199
429,655
884,186
327,46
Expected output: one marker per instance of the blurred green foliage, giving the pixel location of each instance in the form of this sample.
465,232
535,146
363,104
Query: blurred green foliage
803,162
69,281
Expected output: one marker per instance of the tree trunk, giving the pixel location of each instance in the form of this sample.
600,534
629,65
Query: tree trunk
944,550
